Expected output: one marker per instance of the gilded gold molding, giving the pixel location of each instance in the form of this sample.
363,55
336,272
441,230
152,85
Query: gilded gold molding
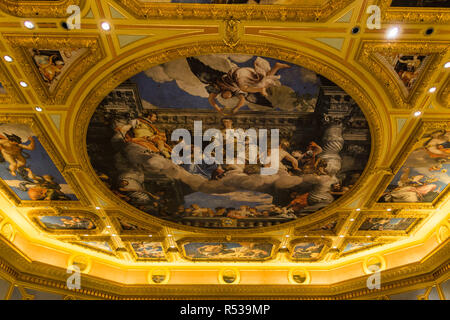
354,230
413,14
326,246
36,126
376,241
152,10
43,9
309,229
21,43
122,73
130,249
275,245
99,225
367,57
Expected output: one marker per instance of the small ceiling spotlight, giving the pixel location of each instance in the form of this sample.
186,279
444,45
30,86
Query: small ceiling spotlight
150,235
97,208
392,33
352,219
389,209
169,235
355,30
23,84
109,227
417,113
8,59
447,65
287,236
429,31
334,247
341,236
28,24
114,235
306,236
106,26
38,109
283,247
359,209
172,247
432,89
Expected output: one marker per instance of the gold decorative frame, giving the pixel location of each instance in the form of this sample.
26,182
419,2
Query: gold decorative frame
388,79
308,230
291,276
34,124
26,8
235,270
274,242
155,10
20,43
415,137
413,14
376,256
326,246
147,228
375,243
354,230
150,59
34,216
150,275
130,248
98,239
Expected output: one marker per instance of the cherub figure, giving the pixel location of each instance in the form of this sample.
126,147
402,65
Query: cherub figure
11,148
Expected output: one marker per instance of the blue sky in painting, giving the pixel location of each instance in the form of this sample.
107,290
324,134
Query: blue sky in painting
40,163
169,95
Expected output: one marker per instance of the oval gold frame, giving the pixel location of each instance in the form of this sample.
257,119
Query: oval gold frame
88,262
235,270
291,276
150,59
152,271
366,264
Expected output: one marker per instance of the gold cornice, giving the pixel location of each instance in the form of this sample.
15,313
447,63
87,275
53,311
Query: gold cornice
24,8
47,276
153,10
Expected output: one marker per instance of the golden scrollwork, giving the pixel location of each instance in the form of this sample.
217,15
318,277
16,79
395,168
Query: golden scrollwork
53,9
413,15
152,10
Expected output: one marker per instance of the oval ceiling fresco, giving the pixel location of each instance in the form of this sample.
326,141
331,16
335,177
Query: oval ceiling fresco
228,141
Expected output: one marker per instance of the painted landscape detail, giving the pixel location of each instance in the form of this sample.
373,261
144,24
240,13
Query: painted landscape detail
425,173
228,250
324,141
148,250
26,167
387,224
67,223
307,250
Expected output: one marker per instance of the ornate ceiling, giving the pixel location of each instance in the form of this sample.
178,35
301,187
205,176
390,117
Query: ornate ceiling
365,148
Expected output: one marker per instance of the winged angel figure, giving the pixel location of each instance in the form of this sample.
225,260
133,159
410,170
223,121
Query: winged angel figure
248,84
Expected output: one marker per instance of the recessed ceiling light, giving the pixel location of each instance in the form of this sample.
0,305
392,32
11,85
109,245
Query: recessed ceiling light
283,247
417,113
38,109
447,65
108,227
97,208
392,33
23,84
334,247
358,209
169,235
352,219
306,236
8,59
114,235
341,236
106,26
287,236
150,235
389,209
172,246
85,235
432,89
28,24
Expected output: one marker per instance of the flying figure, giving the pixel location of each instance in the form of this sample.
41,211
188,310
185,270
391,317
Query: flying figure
248,84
